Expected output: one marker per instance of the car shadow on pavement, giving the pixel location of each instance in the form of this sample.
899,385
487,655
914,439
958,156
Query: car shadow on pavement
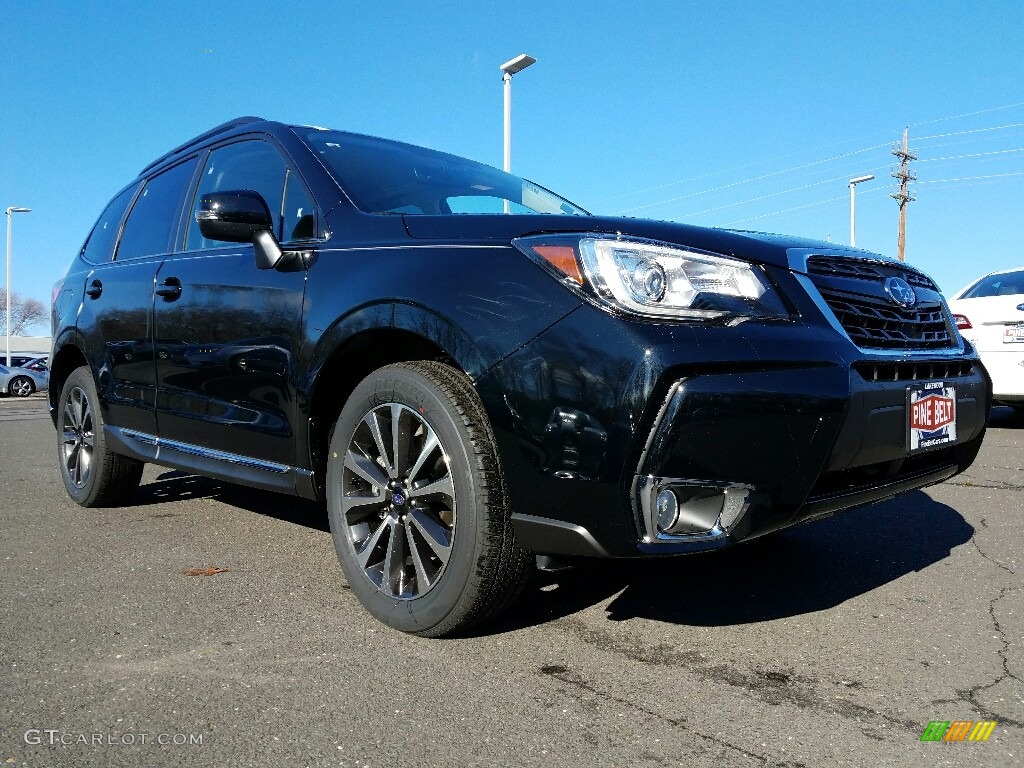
173,485
801,570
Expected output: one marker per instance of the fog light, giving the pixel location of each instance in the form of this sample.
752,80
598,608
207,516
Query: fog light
668,510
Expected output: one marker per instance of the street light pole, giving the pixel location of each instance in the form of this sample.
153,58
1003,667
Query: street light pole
10,213
853,213
509,68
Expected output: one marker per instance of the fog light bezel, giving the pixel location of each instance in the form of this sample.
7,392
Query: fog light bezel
696,516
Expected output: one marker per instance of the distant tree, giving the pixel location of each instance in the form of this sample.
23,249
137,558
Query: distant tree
25,313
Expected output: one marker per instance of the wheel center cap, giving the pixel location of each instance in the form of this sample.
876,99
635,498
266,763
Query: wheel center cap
397,498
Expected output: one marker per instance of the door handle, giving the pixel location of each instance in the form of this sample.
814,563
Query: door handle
170,289
94,290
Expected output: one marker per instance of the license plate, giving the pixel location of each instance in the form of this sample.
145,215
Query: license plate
1013,334
931,416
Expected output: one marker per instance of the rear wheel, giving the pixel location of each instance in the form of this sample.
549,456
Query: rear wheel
21,386
417,504
93,475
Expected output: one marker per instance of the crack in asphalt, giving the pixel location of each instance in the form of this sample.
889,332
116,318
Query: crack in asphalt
974,539
769,686
970,695
562,674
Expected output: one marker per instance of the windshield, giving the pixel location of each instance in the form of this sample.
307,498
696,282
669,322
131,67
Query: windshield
382,176
1001,284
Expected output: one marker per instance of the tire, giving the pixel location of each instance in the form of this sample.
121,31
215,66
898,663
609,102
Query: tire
94,476
21,386
426,542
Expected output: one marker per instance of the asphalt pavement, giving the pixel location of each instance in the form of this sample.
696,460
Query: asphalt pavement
835,643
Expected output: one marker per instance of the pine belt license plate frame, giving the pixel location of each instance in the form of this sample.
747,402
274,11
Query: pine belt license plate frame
931,416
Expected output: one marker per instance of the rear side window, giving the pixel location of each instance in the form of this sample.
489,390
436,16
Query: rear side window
99,247
152,224
252,164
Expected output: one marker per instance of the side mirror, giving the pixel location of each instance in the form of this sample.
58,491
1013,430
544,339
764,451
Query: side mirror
240,216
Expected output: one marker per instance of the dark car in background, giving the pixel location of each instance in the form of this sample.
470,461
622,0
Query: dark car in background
471,370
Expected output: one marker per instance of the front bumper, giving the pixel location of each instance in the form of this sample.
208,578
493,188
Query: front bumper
784,422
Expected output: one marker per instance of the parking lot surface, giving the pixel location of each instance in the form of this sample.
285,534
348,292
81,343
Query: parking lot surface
835,643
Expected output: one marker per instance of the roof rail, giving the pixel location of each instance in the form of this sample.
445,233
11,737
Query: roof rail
222,128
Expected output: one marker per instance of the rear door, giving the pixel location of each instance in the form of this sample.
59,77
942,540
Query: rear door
226,332
116,316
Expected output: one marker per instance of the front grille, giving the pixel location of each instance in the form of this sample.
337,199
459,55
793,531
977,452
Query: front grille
854,289
925,370
867,270
880,324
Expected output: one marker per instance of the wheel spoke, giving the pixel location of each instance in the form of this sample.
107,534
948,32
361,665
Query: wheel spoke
436,535
394,561
365,468
429,445
373,423
443,486
366,550
400,437
423,580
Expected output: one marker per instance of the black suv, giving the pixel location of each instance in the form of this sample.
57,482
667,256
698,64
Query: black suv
471,370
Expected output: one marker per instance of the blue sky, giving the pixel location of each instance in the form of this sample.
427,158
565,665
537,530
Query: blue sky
741,114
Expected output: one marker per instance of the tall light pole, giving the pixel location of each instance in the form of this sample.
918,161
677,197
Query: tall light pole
10,213
509,68
853,213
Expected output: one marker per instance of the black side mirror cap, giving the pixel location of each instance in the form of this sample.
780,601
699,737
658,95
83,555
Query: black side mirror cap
234,216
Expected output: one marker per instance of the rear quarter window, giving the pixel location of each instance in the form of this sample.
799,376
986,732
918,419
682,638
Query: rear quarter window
99,246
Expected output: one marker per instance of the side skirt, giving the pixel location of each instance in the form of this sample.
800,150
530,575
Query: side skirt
231,467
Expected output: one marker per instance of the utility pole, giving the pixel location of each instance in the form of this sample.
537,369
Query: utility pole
903,196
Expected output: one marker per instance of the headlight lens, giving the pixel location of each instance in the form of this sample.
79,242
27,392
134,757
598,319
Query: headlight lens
654,279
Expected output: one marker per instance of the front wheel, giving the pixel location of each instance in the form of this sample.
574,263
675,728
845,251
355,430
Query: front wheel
94,476
21,386
417,503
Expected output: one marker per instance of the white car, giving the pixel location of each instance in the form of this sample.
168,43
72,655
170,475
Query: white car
22,382
990,314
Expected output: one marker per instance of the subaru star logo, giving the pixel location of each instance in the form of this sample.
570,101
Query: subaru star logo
1020,307
398,498
900,292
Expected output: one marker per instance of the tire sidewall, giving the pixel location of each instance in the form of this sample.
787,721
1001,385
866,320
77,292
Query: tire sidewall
449,593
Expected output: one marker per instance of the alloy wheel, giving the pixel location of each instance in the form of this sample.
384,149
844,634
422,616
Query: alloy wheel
21,387
398,501
78,439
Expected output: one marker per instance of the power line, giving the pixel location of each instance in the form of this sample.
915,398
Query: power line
752,179
973,154
973,178
770,195
970,114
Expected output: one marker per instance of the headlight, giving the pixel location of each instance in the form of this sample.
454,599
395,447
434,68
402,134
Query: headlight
654,279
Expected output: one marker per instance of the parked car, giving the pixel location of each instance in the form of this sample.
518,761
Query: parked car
990,314
466,388
22,382
17,361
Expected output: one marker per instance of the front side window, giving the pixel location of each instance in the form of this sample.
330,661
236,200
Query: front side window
153,221
251,164
382,176
99,247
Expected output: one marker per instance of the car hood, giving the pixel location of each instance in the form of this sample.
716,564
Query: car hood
487,228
